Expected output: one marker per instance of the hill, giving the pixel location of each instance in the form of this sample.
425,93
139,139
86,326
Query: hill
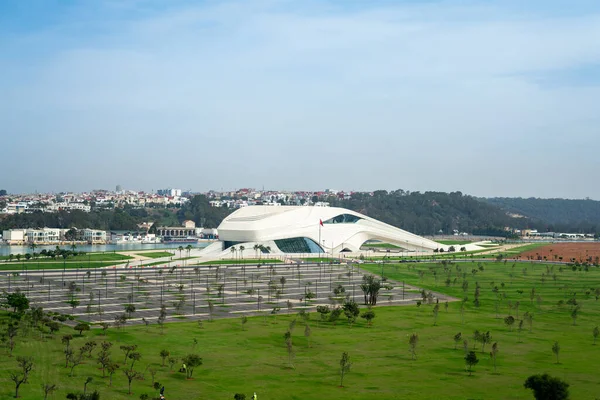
558,215
431,213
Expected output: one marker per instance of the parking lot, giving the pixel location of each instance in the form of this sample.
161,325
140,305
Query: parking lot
197,292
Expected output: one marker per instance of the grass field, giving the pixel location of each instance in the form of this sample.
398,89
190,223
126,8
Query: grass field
524,248
156,254
108,256
256,359
454,242
244,261
33,265
379,246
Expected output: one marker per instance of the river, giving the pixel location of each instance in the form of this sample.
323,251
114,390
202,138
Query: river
6,250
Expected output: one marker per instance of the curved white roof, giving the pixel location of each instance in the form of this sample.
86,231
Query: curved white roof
268,223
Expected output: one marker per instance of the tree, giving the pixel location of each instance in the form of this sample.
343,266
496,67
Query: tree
470,361
307,333
493,354
105,326
485,338
171,361
80,327
104,356
368,315
134,356
595,333
128,349
66,340
575,314
130,375
436,310
164,354
239,396
88,380
75,359
129,309
289,347
162,316
351,311
546,387
413,342
11,332
323,311
509,321
370,288
48,388
18,301
556,351
26,365
345,365
244,321
457,339
191,361
111,368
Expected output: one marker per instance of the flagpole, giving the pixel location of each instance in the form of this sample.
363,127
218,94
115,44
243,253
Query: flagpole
320,237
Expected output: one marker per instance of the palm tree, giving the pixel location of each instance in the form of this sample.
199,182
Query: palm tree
180,249
73,247
233,250
10,257
256,247
242,248
189,249
32,246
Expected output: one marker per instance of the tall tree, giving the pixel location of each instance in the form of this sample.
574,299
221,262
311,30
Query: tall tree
413,342
470,361
345,365
546,387
494,354
191,361
556,351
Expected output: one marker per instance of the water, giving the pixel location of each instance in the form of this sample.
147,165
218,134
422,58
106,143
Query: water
6,250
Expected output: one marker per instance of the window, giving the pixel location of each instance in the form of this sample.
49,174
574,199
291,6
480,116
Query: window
298,245
342,219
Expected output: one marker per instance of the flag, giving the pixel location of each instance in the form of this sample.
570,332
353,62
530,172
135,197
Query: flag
321,222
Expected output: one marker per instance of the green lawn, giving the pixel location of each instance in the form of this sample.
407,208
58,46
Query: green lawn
156,254
255,360
454,242
108,256
244,261
380,246
525,247
33,265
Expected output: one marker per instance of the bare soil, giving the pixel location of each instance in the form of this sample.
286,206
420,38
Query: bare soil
568,252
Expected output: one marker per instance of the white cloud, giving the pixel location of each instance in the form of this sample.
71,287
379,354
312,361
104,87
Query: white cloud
447,82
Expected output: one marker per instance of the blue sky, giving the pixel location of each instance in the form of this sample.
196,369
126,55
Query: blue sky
492,98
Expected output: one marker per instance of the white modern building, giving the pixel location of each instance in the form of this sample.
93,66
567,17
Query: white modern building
44,235
92,235
299,229
14,236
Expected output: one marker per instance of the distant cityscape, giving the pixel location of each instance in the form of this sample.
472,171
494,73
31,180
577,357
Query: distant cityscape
119,198
105,199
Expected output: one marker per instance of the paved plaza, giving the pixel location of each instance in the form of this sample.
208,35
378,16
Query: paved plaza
197,292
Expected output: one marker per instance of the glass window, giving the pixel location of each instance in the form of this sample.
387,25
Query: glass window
298,245
342,219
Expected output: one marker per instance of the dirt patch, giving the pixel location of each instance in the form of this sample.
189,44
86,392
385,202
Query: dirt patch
567,252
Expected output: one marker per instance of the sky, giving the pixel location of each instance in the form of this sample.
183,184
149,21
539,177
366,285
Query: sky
490,98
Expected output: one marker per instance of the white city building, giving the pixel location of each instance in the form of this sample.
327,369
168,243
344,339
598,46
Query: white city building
14,236
298,229
92,235
44,235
